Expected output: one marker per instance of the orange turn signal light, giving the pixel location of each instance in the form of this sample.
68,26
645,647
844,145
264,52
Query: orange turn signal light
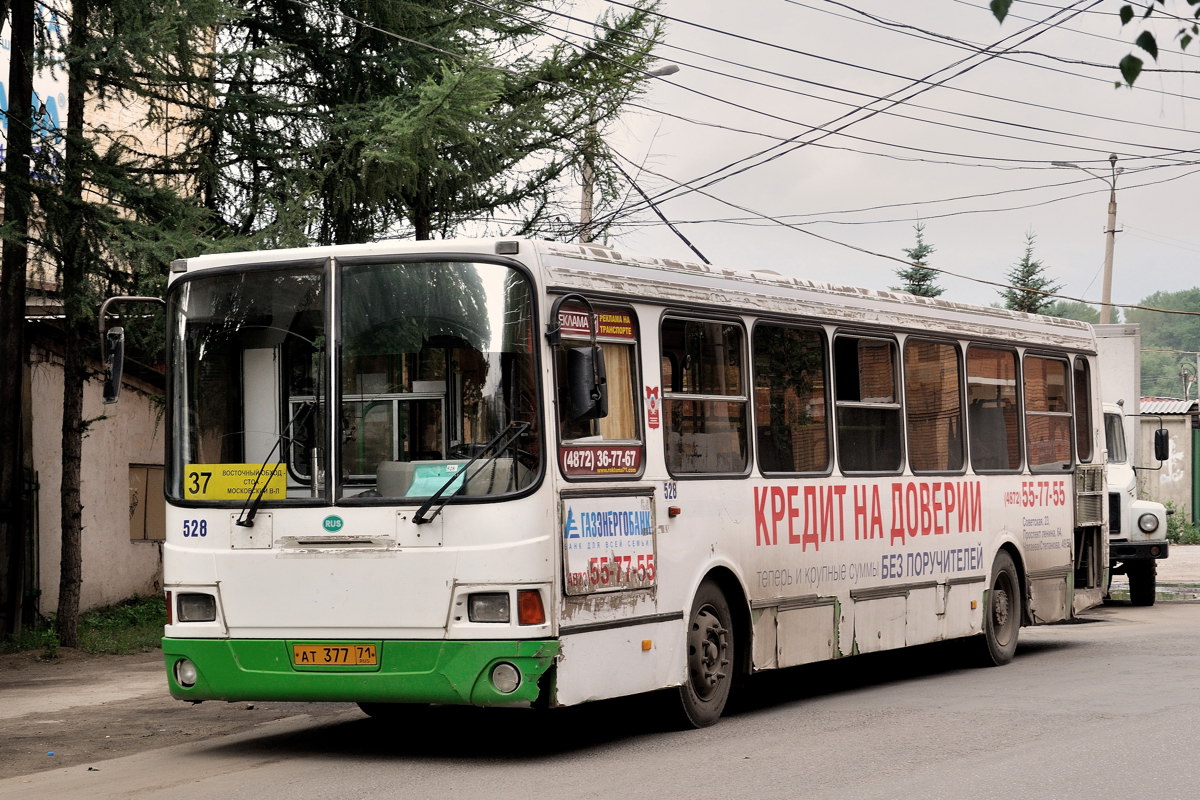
530,610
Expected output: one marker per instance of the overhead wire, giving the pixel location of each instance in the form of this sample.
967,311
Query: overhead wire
967,159
701,190
914,88
650,203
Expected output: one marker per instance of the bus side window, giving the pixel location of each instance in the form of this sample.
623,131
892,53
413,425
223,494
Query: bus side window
1049,428
933,406
790,404
621,420
611,445
707,416
1083,409
993,426
868,405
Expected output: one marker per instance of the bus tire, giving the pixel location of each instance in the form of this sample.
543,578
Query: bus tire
710,657
1002,612
1142,577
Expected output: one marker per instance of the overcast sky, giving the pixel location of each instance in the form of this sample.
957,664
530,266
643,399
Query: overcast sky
970,158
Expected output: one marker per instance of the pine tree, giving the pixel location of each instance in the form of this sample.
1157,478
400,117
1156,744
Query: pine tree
336,121
1030,289
110,214
918,278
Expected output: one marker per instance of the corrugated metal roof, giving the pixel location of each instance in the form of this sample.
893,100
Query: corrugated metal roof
1165,405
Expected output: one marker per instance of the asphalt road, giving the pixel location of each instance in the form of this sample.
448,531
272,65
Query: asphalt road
1109,707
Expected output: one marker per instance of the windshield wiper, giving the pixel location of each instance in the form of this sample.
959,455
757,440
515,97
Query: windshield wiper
246,517
437,501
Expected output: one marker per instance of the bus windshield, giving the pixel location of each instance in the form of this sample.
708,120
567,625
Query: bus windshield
385,395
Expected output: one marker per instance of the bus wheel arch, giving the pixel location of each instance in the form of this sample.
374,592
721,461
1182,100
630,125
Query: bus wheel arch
717,631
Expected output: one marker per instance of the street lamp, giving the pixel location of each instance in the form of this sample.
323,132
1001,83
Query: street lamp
589,153
1110,232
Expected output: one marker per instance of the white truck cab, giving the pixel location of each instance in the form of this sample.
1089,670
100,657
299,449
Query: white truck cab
1137,529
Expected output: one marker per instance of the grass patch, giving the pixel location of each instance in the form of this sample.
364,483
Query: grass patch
1181,530
131,626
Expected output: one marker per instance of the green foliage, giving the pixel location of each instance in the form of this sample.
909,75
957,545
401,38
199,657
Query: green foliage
1073,309
1031,288
918,278
1169,342
134,625
335,121
41,638
1131,65
1181,530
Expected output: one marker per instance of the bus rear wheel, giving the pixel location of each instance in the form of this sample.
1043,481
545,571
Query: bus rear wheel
710,664
1002,612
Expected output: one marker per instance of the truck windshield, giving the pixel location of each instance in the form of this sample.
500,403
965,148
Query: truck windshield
429,362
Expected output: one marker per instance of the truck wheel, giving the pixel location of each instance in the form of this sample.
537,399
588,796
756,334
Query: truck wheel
1142,579
710,666
1002,612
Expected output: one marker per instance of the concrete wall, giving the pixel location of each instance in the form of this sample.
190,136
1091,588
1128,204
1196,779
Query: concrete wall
1173,482
130,432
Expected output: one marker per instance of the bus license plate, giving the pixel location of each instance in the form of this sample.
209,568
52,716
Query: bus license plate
334,655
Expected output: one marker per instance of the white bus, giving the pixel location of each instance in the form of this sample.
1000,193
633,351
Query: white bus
500,472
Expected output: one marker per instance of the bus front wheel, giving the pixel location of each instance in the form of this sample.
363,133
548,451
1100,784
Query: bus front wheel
710,662
1002,612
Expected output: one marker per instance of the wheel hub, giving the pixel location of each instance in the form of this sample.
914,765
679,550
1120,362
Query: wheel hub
708,649
1000,607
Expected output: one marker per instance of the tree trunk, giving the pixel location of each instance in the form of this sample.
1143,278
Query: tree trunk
13,266
74,260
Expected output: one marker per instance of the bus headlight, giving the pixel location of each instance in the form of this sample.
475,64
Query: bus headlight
506,678
1148,523
488,607
197,608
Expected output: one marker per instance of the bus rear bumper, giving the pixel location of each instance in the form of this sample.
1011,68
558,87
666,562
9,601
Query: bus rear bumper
451,672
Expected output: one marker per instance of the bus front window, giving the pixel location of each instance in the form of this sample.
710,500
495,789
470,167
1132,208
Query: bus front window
248,354
437,360
427,363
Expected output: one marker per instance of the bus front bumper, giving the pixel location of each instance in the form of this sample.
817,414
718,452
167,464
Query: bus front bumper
453,672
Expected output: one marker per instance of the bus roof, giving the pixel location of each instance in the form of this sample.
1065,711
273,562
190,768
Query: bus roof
628,276
571,267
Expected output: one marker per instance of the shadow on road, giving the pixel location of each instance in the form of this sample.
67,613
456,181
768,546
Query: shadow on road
454,733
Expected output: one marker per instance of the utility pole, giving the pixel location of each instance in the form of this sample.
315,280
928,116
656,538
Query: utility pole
591,146
1110,230
1110,237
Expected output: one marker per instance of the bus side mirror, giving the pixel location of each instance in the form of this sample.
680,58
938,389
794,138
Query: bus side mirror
1162,444
114,363
587,386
